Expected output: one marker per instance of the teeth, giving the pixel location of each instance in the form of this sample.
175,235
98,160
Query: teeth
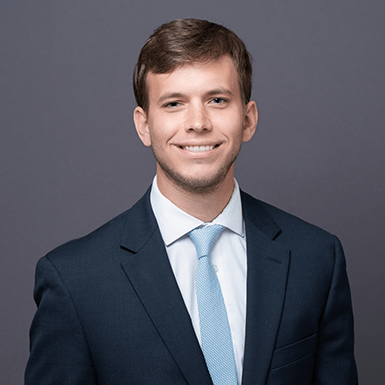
199,148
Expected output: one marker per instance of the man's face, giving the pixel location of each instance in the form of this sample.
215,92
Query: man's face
196,123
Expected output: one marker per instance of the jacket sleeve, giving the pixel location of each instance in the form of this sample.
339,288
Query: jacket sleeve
335,363
59,352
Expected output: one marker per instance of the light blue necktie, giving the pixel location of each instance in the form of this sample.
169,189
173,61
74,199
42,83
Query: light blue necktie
217,344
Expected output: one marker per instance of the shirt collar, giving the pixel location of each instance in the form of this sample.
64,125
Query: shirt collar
174,223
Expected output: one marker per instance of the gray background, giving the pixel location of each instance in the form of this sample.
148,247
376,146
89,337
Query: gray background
70,158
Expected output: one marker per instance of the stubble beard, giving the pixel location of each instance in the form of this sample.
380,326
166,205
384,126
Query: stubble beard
201,186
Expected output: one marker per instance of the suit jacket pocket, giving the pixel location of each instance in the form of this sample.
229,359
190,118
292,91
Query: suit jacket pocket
293,352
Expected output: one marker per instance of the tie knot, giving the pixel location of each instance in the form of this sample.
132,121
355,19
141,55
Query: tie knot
203,238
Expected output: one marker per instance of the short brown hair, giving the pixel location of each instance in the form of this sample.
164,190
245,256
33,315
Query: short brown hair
185,41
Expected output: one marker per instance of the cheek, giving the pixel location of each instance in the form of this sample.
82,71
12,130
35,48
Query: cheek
229,121
163,132
233,129
158,128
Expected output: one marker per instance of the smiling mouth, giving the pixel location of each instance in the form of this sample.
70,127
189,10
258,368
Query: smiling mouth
198,148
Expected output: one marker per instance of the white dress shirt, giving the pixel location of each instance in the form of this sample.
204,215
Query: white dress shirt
228,256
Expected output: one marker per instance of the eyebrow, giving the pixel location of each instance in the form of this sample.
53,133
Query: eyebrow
220,91
174,95
170,95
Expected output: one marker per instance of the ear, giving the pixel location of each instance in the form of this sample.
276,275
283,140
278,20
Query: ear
250,121
141,125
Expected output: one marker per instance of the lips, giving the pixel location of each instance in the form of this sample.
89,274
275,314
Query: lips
199,148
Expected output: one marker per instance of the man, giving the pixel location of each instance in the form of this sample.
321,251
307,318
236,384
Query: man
138,302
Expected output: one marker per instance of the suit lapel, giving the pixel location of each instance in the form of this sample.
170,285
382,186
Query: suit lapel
150,273
268,263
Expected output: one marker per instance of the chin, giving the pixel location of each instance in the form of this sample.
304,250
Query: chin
203,181
200,185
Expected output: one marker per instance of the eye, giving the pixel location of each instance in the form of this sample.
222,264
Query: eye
172,104
219,100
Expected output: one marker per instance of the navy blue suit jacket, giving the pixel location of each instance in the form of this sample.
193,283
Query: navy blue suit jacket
110,311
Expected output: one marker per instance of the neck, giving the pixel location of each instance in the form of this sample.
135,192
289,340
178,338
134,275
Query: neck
205,206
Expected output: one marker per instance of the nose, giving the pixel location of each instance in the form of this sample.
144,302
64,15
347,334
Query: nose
197,118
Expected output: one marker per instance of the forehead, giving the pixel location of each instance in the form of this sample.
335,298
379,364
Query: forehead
195,78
